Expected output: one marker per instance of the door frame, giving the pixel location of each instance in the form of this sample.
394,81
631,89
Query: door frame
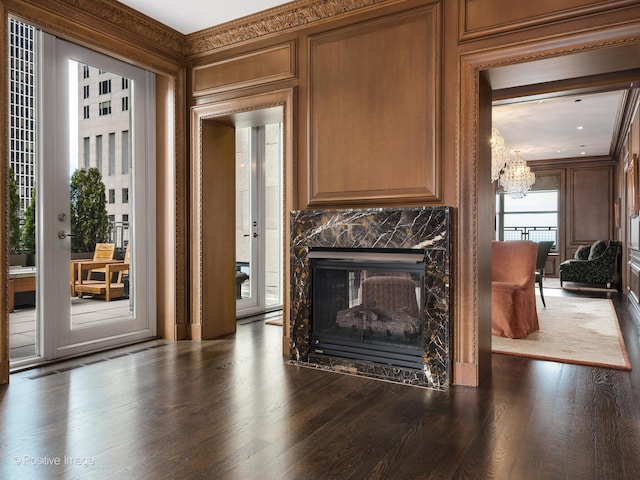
472,349
212,302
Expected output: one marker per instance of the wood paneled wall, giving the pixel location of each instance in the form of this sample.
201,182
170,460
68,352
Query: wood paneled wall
389,111
374,118
586,211
415,94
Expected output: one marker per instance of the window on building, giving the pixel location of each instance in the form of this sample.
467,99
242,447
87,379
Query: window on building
99,152
112,195
125,104
112,154
85,91
125,218
112,218
125,152
125,83
85,112
85,71
105,108
125,195
534,217
86,162
104,87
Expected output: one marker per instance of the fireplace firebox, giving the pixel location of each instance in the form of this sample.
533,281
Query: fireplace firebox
367,304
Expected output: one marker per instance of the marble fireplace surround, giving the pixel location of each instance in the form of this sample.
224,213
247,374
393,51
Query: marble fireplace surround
425,228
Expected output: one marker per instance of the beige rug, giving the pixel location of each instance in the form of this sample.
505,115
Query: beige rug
583,331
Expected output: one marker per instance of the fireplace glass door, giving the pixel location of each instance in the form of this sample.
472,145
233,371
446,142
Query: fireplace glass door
369,311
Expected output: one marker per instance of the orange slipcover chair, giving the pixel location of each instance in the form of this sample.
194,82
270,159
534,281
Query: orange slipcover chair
513,294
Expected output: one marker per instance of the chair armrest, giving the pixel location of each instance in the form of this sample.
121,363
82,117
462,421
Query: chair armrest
117,267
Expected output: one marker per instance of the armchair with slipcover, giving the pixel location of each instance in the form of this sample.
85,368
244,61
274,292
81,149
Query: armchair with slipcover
593,264
513,295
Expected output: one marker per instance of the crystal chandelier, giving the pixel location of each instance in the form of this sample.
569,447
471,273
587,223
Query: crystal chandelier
516,178
499,154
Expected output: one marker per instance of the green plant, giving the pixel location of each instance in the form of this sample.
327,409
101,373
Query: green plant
29,231
89,220
15,233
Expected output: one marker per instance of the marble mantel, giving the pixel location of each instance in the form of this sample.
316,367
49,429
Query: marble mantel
424,228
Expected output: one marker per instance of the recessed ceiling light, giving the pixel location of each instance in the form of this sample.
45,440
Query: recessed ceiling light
583,153
580,127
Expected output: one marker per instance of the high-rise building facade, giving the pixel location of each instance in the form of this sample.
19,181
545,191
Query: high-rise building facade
22,108
104,139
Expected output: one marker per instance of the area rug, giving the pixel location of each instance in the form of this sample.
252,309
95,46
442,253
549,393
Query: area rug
582,331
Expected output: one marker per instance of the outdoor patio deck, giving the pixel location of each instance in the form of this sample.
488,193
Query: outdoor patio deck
86,312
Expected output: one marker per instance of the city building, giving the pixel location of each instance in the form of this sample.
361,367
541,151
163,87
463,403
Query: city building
104,140
23,125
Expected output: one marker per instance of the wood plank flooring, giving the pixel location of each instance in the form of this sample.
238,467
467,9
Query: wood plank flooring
232,409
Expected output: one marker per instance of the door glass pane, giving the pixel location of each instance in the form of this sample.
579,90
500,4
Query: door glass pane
100,188
273,215
244,230
24,329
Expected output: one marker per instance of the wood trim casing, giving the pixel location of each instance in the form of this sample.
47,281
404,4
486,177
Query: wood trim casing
212,319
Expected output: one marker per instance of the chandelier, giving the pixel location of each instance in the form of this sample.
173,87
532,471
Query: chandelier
516,178
499,154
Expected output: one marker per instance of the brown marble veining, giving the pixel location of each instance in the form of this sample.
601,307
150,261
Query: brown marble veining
425,228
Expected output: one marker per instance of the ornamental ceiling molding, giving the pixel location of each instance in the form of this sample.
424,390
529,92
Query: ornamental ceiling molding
129,20
290,16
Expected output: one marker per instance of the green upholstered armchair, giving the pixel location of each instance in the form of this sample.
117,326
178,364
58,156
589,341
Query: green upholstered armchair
595,264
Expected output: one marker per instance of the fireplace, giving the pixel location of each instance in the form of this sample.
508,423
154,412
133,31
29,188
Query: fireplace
366,304
370,293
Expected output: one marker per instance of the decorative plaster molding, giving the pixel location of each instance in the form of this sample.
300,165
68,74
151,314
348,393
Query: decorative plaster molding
287,17
126,18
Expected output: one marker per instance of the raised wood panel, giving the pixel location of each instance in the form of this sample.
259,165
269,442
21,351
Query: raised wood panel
488,17
374,111
591,204
263,66
213,301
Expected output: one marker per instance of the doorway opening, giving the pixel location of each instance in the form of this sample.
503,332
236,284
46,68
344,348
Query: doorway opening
259,217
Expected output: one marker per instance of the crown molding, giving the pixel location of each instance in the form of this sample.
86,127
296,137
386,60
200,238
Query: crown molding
288,17
103,15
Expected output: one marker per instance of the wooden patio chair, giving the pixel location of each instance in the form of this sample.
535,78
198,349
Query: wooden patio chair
107,288
102,253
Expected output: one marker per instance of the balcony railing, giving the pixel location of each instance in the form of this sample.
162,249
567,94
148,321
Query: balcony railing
535,234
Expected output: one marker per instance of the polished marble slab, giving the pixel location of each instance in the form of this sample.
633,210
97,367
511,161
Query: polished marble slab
424,228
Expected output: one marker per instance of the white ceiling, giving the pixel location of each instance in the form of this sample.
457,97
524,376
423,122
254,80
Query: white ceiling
561,127
188,16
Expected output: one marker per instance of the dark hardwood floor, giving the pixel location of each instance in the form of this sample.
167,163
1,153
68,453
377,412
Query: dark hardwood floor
232,409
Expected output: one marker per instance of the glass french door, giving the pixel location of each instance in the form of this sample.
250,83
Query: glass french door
93,213
258,219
